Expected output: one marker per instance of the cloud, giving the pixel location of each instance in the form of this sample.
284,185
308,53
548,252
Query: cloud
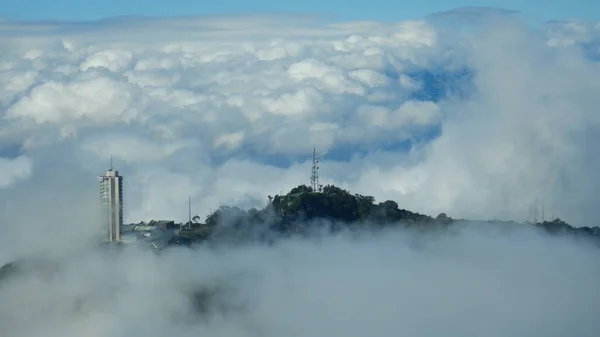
14,170
97,98
471,124
113,60
131,149
478,280
227,110
473,14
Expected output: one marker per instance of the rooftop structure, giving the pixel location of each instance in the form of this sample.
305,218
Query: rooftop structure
155,234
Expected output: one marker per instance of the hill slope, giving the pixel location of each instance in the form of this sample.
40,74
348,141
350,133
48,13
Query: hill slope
302,210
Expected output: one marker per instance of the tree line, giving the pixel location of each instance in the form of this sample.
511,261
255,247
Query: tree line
303,209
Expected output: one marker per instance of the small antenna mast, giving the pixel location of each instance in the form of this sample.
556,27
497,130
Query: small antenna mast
190,211
537,204
543,212
111,162
314,177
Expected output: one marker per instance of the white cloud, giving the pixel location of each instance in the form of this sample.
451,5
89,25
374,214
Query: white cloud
93,96
370,77
478,282
302,102
131,149
185,96
229,140
113,60
227,110
409,113
571,32
14,170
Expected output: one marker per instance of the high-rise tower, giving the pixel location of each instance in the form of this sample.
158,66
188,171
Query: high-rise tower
111,197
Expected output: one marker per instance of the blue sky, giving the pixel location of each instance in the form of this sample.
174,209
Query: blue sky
532,10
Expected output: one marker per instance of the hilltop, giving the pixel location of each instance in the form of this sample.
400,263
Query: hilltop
300,212
333,208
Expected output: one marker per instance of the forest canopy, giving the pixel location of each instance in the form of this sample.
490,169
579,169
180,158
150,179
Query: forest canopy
303,209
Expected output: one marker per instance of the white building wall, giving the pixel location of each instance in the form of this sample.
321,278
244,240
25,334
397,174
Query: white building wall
111,196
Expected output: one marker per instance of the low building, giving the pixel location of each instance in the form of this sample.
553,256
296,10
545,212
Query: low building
155,234
165,224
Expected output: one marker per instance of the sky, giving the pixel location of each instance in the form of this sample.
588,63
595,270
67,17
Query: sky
534,11
485,123
472,112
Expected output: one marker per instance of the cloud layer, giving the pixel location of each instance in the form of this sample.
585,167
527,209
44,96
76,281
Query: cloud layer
227,110
476,123
478,280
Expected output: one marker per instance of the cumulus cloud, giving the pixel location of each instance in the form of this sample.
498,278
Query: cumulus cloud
471,124
94,97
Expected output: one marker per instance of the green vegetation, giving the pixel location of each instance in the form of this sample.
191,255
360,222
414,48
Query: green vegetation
303,209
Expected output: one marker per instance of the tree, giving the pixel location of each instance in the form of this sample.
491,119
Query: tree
292,212
364,205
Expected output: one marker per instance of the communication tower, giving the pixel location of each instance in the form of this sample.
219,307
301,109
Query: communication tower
314,177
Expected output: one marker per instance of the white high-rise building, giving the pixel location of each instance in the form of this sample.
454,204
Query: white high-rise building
111,196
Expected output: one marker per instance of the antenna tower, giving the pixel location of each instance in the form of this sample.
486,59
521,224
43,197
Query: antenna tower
314,177
535,219
190,211
543,212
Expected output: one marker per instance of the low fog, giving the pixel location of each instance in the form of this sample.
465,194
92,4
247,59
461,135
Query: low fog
469,280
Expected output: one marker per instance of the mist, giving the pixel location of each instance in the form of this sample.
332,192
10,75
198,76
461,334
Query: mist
470,280
231,116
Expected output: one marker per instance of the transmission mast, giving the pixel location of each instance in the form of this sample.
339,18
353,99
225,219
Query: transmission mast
535,219
314,177
543,212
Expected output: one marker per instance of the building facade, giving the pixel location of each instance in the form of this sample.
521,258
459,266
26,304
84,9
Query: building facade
111,198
